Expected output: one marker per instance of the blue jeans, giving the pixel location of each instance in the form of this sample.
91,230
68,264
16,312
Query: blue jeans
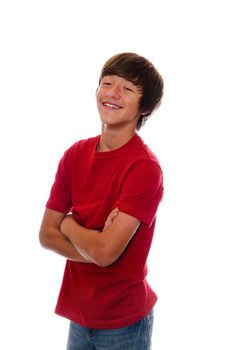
134,337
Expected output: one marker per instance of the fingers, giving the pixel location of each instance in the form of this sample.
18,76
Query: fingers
111,218
113,214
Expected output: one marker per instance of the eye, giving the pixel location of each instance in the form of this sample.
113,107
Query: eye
128,89
106,83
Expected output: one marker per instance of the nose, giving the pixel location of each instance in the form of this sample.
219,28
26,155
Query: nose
113,91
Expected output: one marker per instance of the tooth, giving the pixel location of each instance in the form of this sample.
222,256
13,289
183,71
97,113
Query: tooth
112,106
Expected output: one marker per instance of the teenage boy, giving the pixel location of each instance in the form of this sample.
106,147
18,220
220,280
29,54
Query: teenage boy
101,214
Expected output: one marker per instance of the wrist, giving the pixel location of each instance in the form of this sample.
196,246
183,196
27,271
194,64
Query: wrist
67,224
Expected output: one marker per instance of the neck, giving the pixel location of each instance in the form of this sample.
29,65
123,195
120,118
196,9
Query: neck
111,139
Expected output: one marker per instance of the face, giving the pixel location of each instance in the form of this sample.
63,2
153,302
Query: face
118,101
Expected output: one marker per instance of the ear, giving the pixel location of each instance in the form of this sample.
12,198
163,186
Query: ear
145,113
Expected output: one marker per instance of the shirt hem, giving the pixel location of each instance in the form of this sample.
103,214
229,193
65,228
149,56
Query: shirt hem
106,325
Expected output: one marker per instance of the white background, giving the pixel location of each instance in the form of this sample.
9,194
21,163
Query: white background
51,55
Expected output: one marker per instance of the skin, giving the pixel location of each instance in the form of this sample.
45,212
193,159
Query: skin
118,106
118,125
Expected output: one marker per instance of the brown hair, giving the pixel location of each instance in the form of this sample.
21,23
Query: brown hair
142,73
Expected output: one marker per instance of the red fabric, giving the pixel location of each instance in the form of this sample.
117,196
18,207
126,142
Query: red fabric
91,184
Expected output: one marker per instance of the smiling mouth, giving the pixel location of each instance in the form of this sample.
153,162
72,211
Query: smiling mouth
111,105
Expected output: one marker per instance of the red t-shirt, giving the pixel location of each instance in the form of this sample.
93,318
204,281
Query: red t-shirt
91,184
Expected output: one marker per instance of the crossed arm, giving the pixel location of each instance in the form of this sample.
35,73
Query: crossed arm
65,236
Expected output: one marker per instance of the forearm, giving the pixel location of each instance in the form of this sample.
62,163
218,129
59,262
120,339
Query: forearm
102,248
82,239
60,244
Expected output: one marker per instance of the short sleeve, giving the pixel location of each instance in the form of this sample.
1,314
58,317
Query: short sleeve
60,195
142,191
